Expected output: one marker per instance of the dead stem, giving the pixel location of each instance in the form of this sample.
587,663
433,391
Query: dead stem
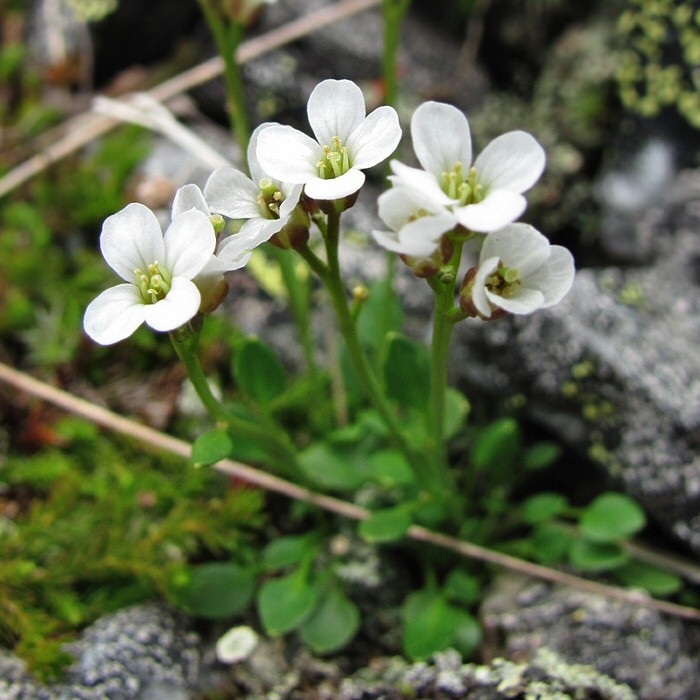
158,440
84,128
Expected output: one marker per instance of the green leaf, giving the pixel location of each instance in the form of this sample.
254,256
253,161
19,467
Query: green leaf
387,524
216,590
610,517
332,624
285,551
469,633
210,447
381,314
390,468
330,468
406,372
541,455
497,445
461,587
642,575
285,602
457,409
551,542
430,624
543,506
258,370
596,556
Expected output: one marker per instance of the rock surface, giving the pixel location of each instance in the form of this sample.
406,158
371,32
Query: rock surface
655,655
140,653
614,370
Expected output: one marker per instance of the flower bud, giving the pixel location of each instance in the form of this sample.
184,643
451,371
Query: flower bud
295,233
213,290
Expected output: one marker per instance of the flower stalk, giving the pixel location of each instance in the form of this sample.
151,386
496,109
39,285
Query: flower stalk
228,36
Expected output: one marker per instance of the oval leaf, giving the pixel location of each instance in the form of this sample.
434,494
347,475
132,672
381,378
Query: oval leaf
210,447
406,372
285,551
497,445
596,556
642,575
285,602
430,624
329,468
610,517
543,506
216,590
258,370
386,525
332,624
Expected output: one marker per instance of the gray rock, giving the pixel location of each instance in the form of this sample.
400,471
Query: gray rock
140,653
445,676
614,370
655,655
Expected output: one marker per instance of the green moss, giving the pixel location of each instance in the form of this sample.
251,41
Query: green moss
99,525
659,55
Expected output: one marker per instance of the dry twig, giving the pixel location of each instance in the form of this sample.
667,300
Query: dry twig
101,416
81,130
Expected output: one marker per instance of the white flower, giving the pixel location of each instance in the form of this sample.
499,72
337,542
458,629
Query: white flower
347,142
158,270
416,224
267,204
519,272
484,196
233,252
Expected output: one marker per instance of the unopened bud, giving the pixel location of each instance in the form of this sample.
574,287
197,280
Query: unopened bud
218,222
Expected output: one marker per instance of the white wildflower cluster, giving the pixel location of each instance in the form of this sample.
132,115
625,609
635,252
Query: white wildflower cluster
170,278
449,199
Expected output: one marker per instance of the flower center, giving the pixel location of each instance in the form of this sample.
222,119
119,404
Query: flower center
335,160
504,281
270,199
462,186
153,283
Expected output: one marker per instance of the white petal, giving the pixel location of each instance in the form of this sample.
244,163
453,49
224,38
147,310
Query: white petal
292,193
257,231
337,187
256,171
396,206
231,193
523,301
189,197
189,243
421,237
179,306
555,277
441,138
130,239
388,240
375,139
335,108
422,182
520,246
479,294
499,208
114,315
513,161
287,154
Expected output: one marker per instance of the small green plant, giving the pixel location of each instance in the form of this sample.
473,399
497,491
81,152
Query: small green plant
102,526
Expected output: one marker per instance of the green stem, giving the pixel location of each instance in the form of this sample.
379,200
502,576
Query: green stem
442,334
330,275
394,12
300,305
228,36
281,451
